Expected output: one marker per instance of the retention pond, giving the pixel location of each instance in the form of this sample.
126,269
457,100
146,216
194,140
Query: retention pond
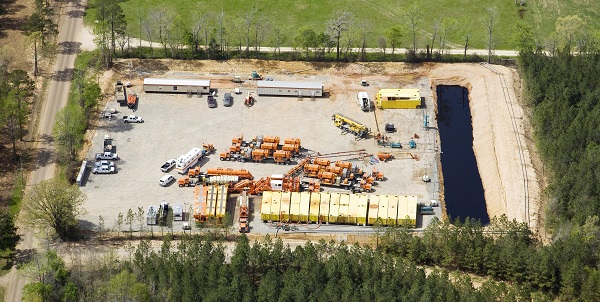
463,191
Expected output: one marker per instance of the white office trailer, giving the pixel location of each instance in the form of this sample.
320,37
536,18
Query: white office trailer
167,85
284,88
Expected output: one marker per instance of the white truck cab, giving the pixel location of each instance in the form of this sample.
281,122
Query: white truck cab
363,101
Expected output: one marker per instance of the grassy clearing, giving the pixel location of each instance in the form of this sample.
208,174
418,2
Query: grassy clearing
17,195
376,16
2,290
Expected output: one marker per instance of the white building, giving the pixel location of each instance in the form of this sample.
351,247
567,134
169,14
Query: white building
284,88
176,85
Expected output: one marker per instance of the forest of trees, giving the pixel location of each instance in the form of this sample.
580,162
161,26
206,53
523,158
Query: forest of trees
564,93
513,267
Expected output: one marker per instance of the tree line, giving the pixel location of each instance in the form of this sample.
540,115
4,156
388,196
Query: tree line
218,36
197,269
513,265
506,250
564,95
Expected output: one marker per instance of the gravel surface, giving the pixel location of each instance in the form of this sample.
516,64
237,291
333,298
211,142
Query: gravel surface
175,123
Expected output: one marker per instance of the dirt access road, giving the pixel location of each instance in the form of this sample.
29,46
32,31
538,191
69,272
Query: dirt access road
56,98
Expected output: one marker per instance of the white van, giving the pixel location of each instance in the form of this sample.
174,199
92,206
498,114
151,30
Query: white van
166,180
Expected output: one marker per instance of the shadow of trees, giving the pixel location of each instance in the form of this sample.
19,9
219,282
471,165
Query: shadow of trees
69,47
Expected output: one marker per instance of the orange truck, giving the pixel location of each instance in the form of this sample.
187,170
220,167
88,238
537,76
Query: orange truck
131,100
244,213
241,173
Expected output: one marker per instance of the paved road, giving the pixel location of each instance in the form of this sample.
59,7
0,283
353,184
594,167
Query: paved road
71,20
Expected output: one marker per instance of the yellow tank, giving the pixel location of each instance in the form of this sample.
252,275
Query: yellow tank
344,208
275,206
265,206
324,207
285,206
315,200
334,207
304,206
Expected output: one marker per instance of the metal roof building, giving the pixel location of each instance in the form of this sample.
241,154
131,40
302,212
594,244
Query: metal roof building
176,85
284,88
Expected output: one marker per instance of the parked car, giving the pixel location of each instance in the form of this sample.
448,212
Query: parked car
107,155
227,100
168,165
103,170
390,128
132,119
166,180
101,163
107,115
212,103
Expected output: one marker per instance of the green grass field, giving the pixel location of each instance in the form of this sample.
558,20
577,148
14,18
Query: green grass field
376,16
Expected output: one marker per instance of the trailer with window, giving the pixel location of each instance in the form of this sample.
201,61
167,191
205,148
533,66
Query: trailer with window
285,88
168,85
189,159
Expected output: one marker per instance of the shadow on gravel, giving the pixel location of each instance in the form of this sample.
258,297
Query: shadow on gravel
116,124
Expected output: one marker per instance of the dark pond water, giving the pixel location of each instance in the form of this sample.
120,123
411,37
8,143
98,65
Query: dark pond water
463,191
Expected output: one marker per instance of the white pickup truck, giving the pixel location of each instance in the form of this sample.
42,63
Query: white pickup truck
104,170
107,156
132,119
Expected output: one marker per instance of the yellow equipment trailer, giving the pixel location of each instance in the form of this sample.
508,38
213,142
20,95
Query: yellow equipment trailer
398,98
211,201
221,202
349,125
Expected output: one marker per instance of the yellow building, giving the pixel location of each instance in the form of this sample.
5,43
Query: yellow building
398,98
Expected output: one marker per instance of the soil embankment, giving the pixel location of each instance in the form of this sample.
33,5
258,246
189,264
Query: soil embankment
499,138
